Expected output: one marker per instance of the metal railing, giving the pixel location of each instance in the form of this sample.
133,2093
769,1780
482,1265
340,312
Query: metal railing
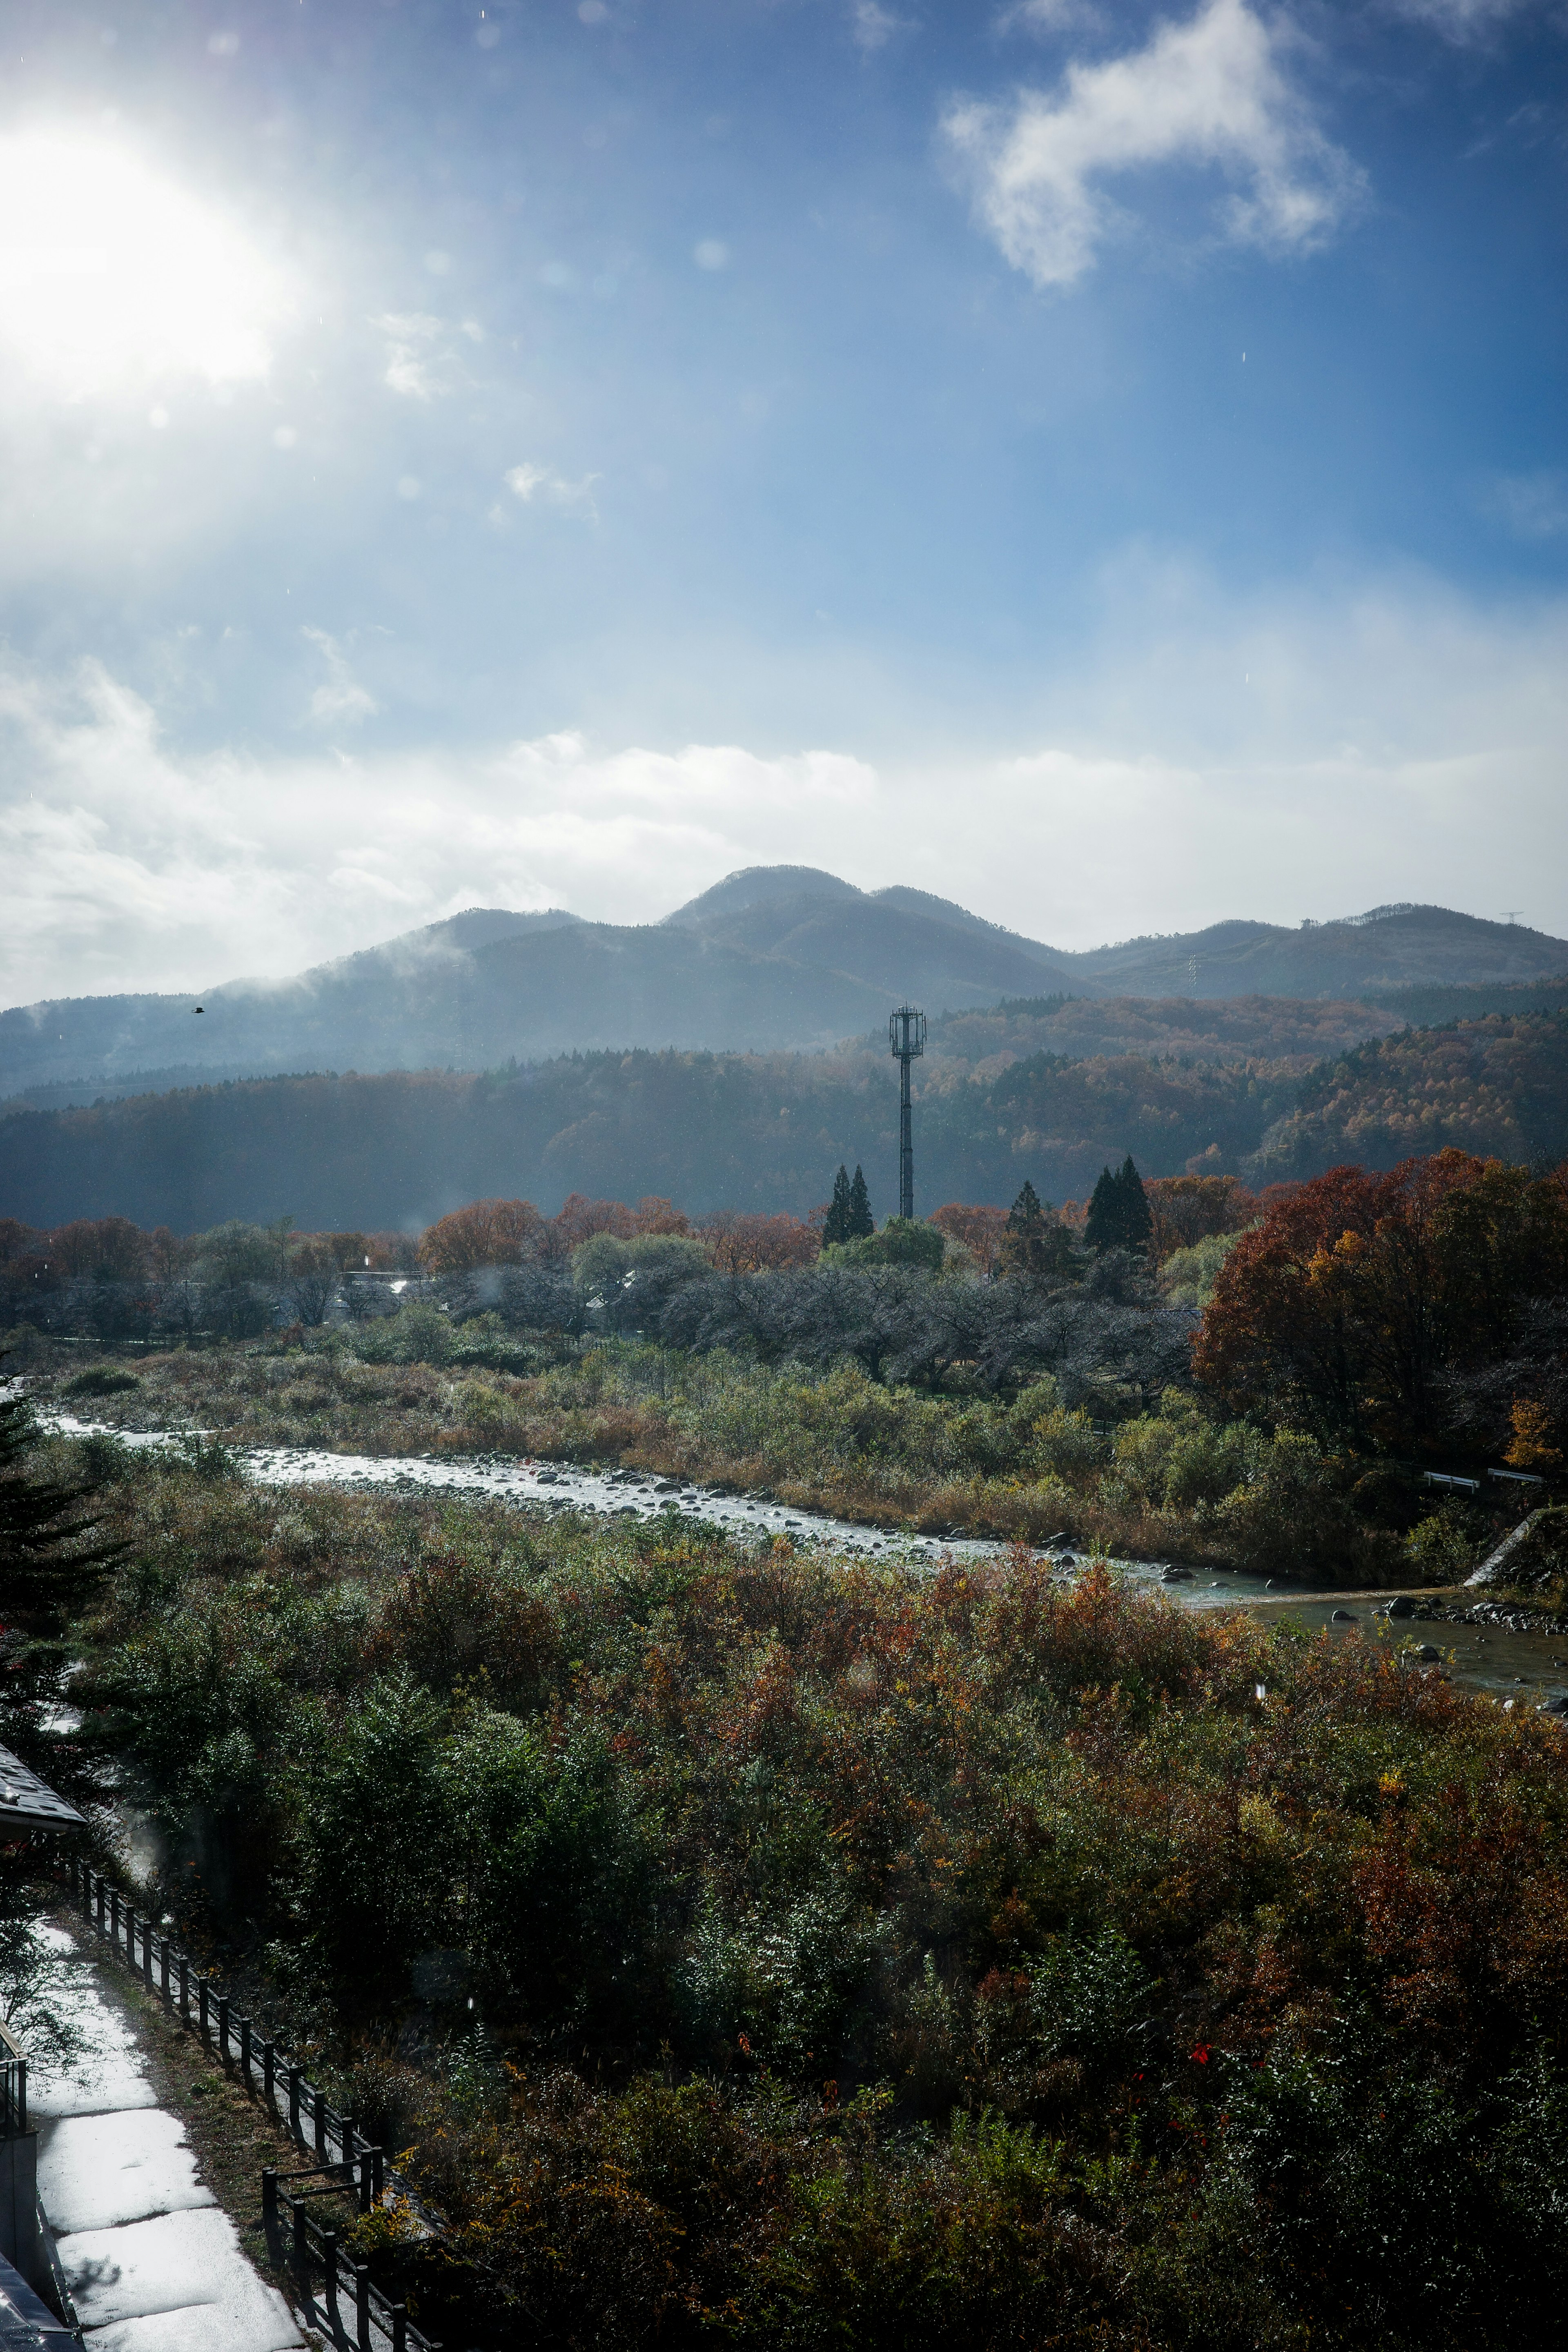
13,2086
349,2303
266,2066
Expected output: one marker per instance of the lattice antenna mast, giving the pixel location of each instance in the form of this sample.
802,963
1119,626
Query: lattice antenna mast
907,1036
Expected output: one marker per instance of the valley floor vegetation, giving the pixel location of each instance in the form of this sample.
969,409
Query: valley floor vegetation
758,1947
1179,1369
754,1949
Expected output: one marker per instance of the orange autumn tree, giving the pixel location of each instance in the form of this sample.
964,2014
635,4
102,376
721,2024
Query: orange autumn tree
752,1242
1345,1310
486,1232
979,1228
579,1219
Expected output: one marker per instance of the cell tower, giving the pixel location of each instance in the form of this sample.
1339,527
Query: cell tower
907,1036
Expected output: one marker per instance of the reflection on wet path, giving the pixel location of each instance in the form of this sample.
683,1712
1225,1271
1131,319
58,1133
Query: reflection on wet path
1528,1669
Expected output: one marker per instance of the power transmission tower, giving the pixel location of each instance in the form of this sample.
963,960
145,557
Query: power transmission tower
907,1036
1510,913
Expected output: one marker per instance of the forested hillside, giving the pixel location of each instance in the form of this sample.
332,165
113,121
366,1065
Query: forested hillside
1497,1087
766,1131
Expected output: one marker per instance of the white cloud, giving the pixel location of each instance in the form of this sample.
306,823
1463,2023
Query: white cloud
1287,758
1208,94
1532,506
339,701
1461,20
413,363
710,253
872,27
1046,16
530,482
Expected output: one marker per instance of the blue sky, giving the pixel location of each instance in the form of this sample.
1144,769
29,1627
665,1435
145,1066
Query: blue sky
1103,463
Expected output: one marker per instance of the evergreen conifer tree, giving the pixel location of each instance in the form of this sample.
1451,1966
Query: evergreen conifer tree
1137,1219
836,1225
45,1568
1036,1246
861,1221
1119,1215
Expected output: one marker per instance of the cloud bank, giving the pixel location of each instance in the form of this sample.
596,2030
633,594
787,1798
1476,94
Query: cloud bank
1394,742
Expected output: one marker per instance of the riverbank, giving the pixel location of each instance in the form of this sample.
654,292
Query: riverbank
1523,1646
1170,1483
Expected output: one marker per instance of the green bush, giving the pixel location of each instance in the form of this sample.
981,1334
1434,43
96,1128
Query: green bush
100,1380
1188,1275
903,1241
417,1334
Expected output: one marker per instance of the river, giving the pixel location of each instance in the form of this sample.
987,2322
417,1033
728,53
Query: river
1519,1669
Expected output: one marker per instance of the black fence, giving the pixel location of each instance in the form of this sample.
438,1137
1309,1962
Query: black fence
348,2167
12,2087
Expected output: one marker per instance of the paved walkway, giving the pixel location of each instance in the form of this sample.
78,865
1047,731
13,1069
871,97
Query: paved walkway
153,2263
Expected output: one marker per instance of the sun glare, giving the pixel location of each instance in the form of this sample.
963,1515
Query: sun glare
114,278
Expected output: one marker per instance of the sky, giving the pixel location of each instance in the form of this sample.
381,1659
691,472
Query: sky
1104,464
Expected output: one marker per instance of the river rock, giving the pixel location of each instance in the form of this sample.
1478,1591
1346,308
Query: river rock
1341,1617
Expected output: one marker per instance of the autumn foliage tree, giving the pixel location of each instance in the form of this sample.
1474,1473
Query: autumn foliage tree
1349,1309
1189,1209
978,1228
738,1242
486,1232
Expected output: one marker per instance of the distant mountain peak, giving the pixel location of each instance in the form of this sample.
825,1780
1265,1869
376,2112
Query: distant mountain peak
755,886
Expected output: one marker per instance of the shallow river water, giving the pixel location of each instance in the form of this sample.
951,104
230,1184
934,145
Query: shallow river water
1521,1669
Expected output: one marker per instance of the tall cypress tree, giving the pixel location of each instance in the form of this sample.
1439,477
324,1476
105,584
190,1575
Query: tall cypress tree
1119,1215
861,1221
836,1225
1101,1227
1137,1220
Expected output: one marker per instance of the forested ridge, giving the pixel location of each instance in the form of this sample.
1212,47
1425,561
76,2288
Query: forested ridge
1494,1086
765,1131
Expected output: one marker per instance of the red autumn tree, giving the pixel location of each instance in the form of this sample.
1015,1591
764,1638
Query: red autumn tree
1346,1308
111,1247
746,1241
654,1215
1188,1209
486,1232
979,1228
579,1219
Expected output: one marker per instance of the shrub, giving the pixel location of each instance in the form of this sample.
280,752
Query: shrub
100,1380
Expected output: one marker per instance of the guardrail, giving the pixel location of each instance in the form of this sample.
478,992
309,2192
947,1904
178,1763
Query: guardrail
266,2066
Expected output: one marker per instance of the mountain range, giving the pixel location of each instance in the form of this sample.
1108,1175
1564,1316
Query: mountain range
774,956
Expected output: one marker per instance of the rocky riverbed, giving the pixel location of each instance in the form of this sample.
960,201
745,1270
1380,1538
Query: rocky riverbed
1520,1659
